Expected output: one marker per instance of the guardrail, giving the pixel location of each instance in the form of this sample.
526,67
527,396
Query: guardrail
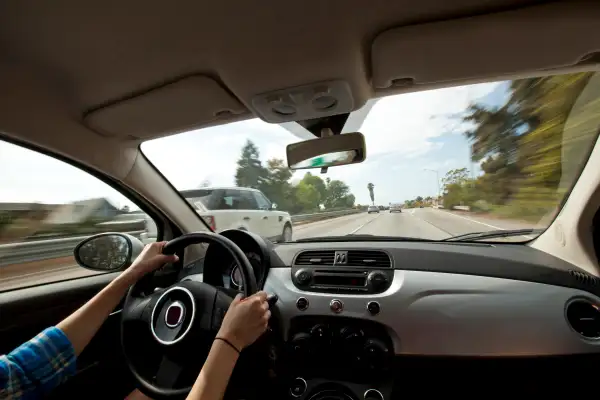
323,215
38,250
18,253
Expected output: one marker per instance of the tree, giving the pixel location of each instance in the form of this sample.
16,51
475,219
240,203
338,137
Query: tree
307,196
455,176
273,180
458,188
349,201
276,184
338,195
371,188
317,182
526,148
250,172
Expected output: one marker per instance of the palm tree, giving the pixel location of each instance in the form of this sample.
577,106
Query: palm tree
370,186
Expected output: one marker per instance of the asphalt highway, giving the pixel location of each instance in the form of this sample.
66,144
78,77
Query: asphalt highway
425,223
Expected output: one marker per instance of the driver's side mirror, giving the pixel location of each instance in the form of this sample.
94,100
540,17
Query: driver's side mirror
273,206
108,252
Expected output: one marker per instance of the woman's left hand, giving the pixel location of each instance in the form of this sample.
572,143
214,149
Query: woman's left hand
150,259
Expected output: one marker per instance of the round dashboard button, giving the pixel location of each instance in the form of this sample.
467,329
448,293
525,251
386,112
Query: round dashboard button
373,307
298,387
336,306
302,303
303,277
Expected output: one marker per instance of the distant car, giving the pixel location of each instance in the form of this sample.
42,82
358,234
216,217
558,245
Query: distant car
396,208
240,208
374,209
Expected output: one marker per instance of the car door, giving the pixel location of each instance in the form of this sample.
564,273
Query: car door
273,224
244,201
46,207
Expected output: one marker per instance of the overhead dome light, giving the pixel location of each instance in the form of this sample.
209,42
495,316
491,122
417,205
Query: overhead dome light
299,103
322,103
284,109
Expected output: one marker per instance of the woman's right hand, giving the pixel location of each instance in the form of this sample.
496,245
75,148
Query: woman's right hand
245,320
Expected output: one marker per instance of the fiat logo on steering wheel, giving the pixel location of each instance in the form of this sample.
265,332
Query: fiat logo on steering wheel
175,314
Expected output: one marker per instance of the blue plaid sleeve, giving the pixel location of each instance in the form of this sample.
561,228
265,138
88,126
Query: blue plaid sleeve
37,366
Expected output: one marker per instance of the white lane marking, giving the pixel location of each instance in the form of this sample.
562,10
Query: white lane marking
472,220
483,223
432,224
365,224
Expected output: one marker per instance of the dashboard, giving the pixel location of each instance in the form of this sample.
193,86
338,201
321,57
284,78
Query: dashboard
367,320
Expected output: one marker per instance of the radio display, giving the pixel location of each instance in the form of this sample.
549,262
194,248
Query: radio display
339,280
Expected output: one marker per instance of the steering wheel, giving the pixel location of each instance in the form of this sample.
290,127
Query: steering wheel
176,321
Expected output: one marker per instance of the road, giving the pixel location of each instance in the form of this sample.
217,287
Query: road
426,223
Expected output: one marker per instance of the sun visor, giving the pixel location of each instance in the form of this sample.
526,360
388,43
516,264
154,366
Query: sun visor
525,40
190,103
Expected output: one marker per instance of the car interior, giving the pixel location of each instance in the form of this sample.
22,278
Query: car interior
88,82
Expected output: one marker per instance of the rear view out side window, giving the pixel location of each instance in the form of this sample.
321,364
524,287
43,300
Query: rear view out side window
262,201
204,197
46,208
240,199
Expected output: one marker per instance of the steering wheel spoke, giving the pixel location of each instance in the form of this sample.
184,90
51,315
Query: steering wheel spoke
136,308
222,301
168,373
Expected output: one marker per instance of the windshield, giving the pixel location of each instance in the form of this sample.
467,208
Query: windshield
485,157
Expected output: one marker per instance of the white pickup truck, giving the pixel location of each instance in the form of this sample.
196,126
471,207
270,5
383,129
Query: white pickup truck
240,208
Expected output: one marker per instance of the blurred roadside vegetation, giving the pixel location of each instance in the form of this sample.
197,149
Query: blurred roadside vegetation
31,226
531,150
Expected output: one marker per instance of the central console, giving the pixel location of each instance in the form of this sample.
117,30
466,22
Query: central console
338,358
341,271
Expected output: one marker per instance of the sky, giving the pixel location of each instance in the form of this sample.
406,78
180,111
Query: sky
410,139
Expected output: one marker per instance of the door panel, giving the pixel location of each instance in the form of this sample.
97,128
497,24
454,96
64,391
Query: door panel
270,219
26,312
249,214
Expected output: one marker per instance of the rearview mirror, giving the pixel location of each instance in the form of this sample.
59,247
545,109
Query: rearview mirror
273,206
108,252
329,151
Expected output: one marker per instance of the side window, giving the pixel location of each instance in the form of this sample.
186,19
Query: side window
262,201
222,200
241,199
46,208
247,200
203,198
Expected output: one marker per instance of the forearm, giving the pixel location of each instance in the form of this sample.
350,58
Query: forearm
214,377
83,324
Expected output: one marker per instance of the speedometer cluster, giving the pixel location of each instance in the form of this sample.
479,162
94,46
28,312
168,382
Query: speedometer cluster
220,269
232,276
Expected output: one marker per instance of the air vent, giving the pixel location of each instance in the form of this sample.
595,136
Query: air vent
369,258
317,257
584,318
585,278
